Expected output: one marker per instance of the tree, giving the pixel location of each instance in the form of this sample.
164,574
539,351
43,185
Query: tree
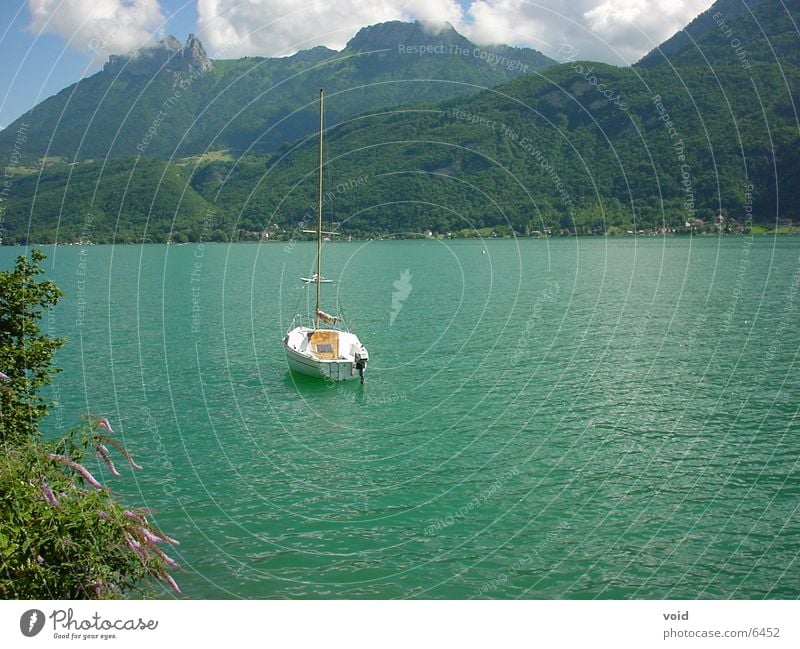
26,354
63,535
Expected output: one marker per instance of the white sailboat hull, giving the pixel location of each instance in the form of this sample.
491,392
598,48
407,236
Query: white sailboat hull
342,358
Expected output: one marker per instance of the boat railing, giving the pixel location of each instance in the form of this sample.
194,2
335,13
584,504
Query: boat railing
301,320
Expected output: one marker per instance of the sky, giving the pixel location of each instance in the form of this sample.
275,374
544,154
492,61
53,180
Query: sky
46,45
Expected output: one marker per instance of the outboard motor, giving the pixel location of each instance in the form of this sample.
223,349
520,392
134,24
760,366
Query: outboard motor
361,364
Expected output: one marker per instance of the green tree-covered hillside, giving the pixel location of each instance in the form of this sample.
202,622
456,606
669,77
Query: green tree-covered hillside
704,143
172,100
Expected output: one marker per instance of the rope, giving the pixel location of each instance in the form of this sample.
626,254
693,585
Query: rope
340,312
297,306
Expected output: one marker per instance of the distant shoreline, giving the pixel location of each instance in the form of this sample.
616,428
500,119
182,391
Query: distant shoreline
279,242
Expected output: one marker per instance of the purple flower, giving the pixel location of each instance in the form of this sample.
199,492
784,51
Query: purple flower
172,583
133,516
39,559
63,459
4,377
105,425
49,496
102,451
103,515
136,547
170,561
121,449
147,534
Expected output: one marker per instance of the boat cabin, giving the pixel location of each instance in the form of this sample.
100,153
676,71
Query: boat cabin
324,343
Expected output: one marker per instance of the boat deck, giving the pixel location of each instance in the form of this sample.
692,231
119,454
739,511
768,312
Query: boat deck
324,343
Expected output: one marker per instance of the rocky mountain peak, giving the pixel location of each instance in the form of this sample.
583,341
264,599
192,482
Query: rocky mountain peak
395,34
168,54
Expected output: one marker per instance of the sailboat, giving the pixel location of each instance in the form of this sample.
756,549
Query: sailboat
325,353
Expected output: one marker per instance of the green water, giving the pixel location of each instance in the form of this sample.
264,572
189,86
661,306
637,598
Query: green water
613,418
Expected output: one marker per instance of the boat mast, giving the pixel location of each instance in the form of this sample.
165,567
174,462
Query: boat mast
319,217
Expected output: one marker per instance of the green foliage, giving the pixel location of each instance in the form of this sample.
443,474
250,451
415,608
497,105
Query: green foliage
577,148
122,201
26,354
498,158
60,539
62,533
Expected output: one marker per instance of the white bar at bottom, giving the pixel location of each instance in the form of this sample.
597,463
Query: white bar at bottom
402,624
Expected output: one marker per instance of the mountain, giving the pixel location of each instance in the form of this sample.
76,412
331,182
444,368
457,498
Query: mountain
173,100
738,32
168,54
116,200
582,147
579,147
705,23
550,152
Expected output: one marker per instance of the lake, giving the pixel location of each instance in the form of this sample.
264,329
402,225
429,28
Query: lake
563,418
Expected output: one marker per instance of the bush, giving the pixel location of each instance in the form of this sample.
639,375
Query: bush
26,355
63,535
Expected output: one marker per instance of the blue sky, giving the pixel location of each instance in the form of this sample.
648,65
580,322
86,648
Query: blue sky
38,64
46,45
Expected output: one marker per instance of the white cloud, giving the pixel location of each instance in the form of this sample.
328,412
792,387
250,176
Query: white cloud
617,31
280,27
99,27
